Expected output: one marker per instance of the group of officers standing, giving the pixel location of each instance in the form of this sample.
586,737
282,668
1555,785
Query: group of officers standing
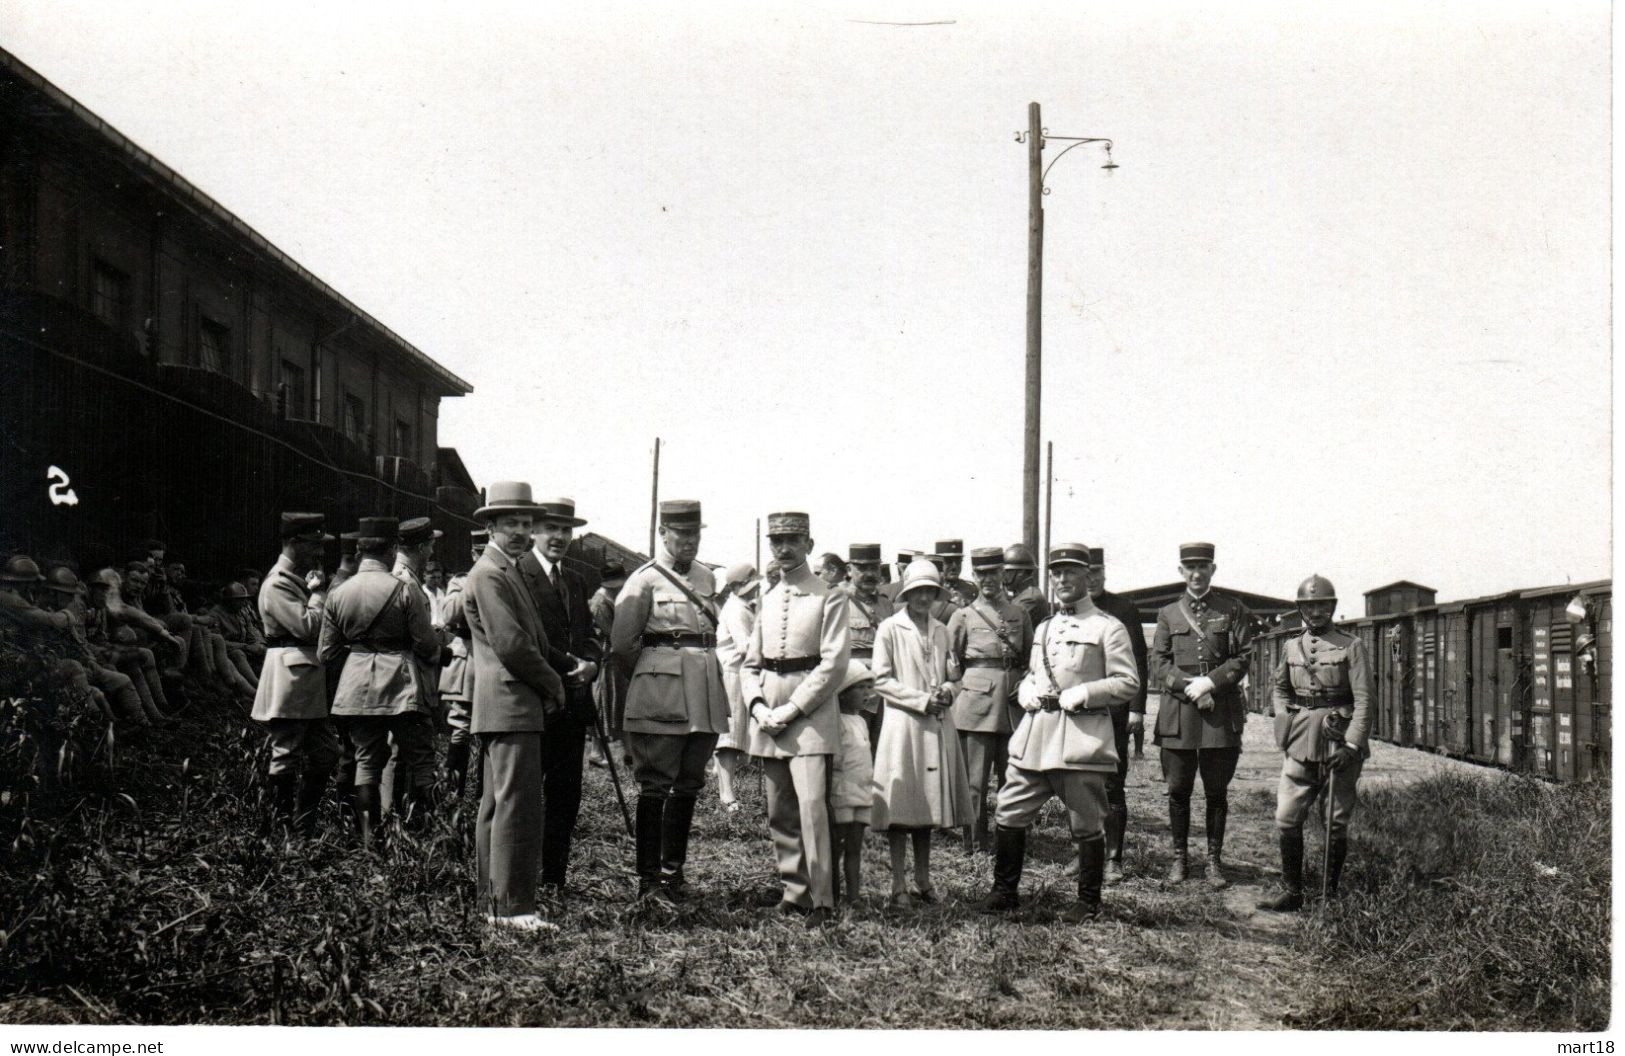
1043,701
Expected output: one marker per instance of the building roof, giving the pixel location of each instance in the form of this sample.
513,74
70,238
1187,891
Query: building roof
167,179
1397,584
1149,599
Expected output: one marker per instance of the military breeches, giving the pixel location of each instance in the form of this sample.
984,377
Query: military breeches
1216,766
312,740
1026,791
458,713
670,765
1302,784
413,733
798,820
981,752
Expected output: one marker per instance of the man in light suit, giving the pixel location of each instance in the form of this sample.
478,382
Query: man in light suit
517,694
665,634
292,695
560,595
797,655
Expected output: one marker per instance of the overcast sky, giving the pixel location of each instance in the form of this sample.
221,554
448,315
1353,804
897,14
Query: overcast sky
1343,308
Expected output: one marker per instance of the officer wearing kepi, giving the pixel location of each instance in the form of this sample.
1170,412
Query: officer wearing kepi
956,593
1321,695
991,638
665,635
1198,658
1081,666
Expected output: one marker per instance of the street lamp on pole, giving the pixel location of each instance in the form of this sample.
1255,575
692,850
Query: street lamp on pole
1036,136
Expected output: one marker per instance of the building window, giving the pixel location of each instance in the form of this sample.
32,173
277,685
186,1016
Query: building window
355,420
214,346
403,439
293,386
109,294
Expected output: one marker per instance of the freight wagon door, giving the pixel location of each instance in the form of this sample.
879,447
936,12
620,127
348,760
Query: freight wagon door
1563,695
1394,667
1453,692
1426,693
1541,738
1495,689
1602,731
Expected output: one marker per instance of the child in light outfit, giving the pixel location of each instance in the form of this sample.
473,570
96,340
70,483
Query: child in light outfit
851,786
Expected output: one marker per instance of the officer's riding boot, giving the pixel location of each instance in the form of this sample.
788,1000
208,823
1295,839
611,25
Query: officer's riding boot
1091,870
1291,896
676,823
310,801
369,809
1334,872
456,766
650,811
1116,823
1217,813
1009,855
284,792
1179,821
344,792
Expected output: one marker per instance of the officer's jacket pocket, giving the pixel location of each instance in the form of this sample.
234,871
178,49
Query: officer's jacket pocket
656,692
982,680
1283,727
1330,668
295,658
1186,646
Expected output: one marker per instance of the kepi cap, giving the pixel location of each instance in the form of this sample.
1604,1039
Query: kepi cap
1097,557
680,513
386,528
986,557
863,553
789,524
950,548
417,530
1195,552
1069,554
347,542
302,526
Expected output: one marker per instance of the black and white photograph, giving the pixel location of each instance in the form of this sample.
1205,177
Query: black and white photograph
1035,523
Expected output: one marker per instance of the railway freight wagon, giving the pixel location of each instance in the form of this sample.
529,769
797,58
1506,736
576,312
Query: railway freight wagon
1520,680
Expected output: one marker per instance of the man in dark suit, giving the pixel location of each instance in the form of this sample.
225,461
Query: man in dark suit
517,694
573,651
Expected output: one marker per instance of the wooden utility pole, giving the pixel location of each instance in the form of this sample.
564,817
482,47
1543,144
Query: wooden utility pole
1049,511
758,546
1035,298
654,499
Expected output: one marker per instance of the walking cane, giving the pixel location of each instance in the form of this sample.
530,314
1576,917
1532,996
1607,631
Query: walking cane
614,777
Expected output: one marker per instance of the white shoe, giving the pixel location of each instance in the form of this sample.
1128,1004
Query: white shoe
522,922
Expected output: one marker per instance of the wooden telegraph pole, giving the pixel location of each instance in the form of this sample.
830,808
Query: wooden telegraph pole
1035,298
654,499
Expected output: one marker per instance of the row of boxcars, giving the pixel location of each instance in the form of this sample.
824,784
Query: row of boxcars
1520,680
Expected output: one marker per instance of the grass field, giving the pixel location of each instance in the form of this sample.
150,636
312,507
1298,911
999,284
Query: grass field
152,891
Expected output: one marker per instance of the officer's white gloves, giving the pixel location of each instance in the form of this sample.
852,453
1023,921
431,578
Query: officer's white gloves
1027,695
783,715
584,671
1136,721
1198,687
1075,698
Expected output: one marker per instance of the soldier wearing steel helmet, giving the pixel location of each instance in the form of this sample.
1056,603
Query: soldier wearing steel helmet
1021,580
1321,694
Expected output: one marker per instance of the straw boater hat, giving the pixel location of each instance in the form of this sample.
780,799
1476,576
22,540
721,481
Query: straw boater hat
920,575
506,496
559,510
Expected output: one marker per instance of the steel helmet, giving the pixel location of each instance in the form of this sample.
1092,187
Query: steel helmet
1316,588
62,580
1016,555
20,568
234,592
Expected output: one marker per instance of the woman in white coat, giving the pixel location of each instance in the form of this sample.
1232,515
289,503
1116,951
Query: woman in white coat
737,619
920,780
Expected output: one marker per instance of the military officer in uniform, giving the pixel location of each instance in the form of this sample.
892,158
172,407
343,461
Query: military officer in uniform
384,624
1198,659
956,593
991,639
793,667
412,557
347,562
1129,718
1081,666
292,695
560,594
1021,580
869,608
665,635
457,679
1321,694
